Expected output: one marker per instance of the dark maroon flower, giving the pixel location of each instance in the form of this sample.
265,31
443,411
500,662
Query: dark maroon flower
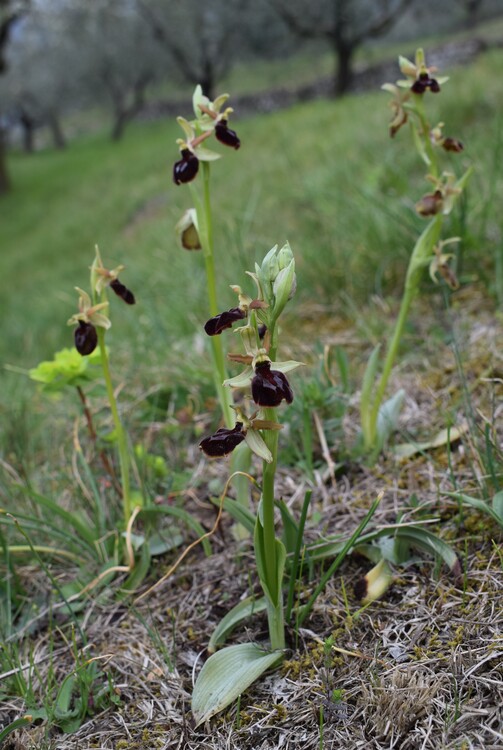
186,169
270,387
86,338
452,144
224,320
425,82
430,204
262,330
122,292
226,136
223,441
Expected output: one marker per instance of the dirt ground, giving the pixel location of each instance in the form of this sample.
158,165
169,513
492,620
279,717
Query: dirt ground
421,669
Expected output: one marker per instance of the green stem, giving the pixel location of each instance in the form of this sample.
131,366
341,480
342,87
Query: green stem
425,133
275,606
119,429
220,372
422,251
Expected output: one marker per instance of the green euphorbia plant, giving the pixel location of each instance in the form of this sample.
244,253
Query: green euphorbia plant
408,105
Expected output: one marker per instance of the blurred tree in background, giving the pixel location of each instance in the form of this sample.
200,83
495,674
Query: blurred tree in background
344,24
61,57
11,11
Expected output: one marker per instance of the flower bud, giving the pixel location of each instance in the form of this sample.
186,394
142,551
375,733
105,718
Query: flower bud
285,285
187,230
285,256
86,338
270,265
186,169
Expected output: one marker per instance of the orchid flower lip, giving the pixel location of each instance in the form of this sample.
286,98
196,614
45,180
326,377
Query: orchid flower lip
270,387
215,326
223,441
86,338
225,135
186,168
123,292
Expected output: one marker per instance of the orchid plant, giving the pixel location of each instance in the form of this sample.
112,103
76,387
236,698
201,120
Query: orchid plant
264,379
92,322
408,106
195,232
195,228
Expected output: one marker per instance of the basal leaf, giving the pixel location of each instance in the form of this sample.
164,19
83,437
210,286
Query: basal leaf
388,416
226,675
242,611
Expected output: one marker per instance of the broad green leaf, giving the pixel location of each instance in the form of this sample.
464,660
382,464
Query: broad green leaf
242,611
182,515
449,435
226,675
370,551
388,416
160,543
498,506
428,542
495,510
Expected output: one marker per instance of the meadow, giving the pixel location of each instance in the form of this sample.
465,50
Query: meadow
418,668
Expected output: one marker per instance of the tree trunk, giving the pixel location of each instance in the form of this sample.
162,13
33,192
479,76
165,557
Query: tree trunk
120,121
58,137
207,80
344,70
472,12
28,125
4,175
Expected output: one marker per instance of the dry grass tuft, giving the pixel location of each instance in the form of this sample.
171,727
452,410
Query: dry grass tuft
419,670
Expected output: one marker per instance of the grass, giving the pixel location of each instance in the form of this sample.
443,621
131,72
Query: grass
326,176
312,170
